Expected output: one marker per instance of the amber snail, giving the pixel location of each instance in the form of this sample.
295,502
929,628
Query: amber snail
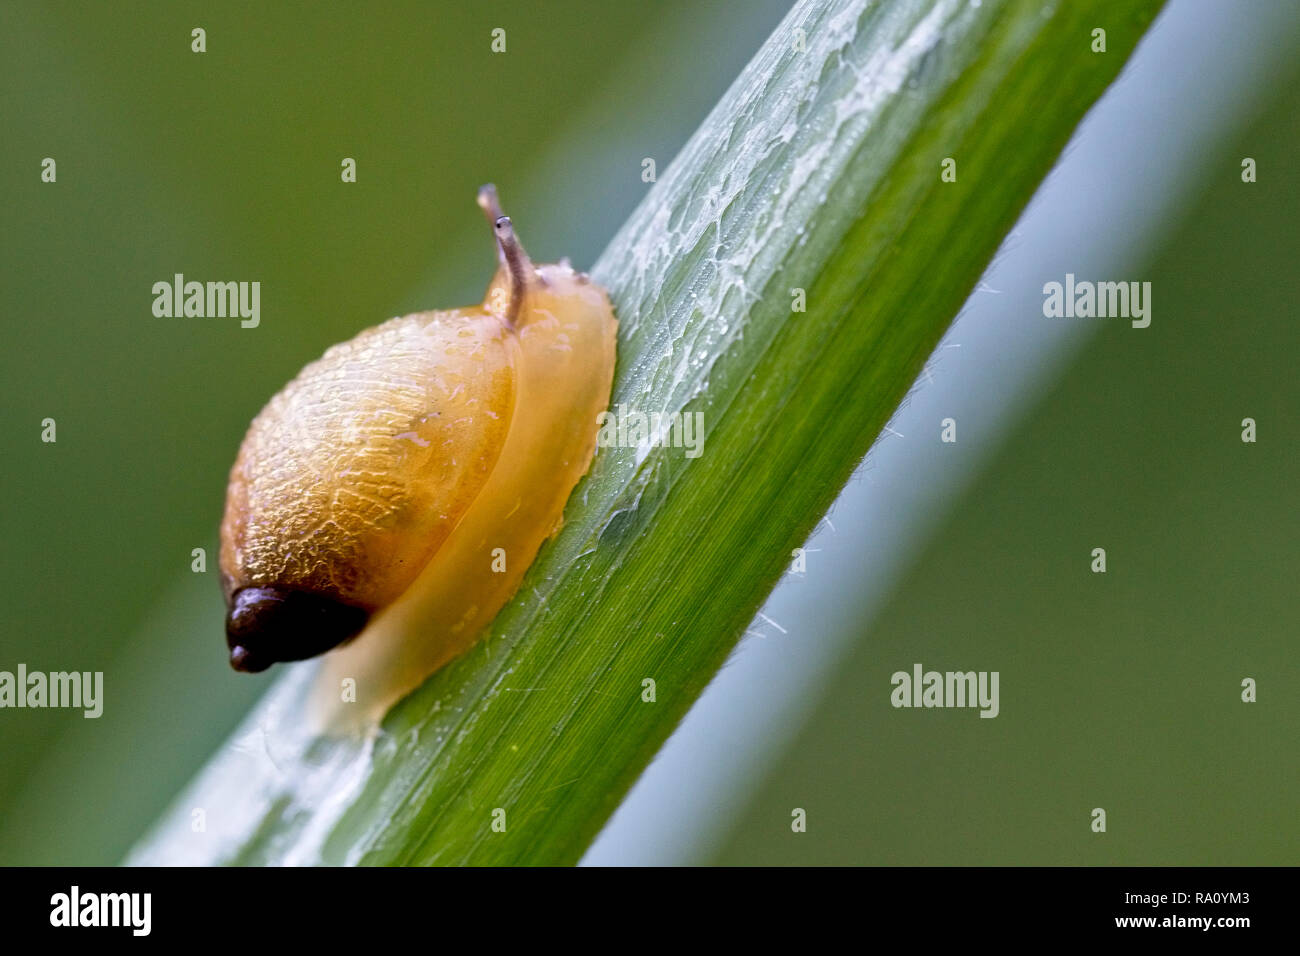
412,473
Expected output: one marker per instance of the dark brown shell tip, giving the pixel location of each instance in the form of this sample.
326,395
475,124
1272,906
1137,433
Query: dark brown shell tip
267,625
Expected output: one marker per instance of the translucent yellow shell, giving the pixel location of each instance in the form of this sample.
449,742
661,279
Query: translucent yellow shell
406,479
354,474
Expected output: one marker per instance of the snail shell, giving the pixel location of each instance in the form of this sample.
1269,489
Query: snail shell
408,477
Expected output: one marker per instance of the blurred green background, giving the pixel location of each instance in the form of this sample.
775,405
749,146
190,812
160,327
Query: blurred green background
226,165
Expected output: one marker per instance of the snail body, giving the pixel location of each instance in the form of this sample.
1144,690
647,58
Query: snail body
403,483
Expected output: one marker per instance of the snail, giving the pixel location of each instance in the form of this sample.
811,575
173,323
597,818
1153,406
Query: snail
402,484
